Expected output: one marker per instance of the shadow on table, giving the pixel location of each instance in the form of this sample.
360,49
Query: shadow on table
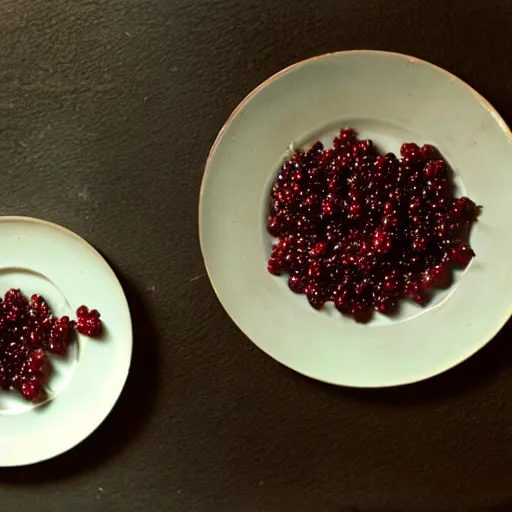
126,419
495,357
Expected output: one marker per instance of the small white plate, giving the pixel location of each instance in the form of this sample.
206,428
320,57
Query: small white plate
391,99
40,257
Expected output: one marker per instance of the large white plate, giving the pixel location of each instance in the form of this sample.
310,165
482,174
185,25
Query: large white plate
40,257
389,98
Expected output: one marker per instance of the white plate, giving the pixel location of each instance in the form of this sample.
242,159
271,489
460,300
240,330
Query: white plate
40,257
389,98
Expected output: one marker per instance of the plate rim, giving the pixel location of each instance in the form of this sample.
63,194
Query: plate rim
412,59
129,348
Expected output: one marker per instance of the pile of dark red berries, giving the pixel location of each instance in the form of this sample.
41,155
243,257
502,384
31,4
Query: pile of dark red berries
364,230
28,331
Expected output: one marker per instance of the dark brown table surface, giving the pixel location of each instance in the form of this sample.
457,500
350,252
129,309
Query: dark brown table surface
107,113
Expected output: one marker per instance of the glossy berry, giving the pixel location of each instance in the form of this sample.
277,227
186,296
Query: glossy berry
434,169
384,305
364,230
83,310
428,152
296,284
441,275
29,390
318,249
464,210
411,153
88,322
461,254
392,284
60,336
274,226
38,307
382,242
274,267
314,293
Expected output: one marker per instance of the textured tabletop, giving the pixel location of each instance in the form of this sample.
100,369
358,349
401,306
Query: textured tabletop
107,113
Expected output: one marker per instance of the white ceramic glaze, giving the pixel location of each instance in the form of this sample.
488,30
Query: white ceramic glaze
390,98
40,257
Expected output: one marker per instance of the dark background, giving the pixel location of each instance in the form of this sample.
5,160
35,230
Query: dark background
107,113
